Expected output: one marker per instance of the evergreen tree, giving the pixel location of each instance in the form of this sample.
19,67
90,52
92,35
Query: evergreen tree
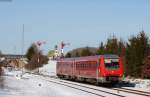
101,49
31,51
112,46
121,48
137,51
115,46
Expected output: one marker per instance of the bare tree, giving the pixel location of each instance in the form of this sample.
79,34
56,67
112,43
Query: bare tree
35,57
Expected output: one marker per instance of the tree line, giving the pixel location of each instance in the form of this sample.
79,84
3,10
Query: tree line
134,53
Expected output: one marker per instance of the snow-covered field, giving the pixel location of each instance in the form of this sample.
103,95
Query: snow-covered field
33,86
49,69
28,85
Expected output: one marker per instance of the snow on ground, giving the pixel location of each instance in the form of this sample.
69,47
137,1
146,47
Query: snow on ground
140,84
33,86
12,72
14,84
49,69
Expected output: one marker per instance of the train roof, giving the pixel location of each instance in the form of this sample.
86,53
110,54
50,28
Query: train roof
111,56
107,56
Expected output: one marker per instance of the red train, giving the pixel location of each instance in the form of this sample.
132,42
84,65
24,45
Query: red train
97,69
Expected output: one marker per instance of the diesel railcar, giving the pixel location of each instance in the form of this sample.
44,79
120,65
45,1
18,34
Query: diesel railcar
97,69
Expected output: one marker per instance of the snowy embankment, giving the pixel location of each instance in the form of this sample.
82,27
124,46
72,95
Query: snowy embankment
12,72
140,84
49,69
34,86
30,85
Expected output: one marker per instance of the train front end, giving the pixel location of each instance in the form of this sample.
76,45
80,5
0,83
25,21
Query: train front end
110,69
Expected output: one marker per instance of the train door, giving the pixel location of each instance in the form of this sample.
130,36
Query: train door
73,68
97,69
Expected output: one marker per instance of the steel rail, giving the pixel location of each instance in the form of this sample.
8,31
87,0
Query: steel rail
87,87
143,93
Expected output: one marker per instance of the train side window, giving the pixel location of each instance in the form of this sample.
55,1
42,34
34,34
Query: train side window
77,66
92,66
88,66
82,66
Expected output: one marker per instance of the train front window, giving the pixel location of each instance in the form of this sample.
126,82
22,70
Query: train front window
111,63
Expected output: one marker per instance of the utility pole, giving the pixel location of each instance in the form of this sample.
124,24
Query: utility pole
22,50
14,49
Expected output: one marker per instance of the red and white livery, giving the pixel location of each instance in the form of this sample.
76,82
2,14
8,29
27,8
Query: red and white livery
99,69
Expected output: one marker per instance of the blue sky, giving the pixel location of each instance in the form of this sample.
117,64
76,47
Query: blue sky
79,22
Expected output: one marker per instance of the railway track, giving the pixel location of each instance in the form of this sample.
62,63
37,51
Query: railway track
132,91
89,90
81,89
119,92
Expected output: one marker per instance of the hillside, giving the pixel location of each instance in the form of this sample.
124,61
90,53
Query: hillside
78,51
